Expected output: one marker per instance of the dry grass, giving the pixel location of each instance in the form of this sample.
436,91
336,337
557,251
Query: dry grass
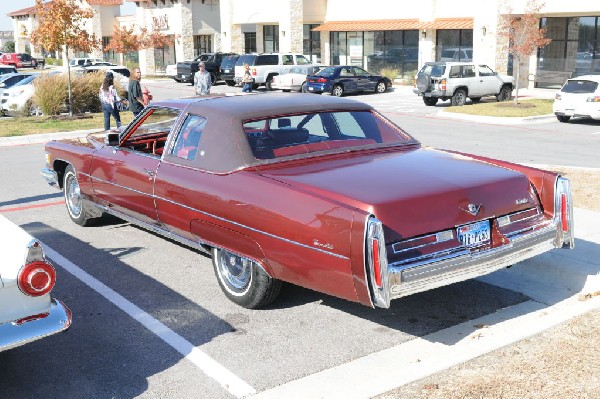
560,363
523,108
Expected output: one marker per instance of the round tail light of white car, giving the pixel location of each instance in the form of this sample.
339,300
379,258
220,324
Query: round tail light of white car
36,278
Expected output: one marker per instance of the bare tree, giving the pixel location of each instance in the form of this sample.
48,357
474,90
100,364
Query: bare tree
524,35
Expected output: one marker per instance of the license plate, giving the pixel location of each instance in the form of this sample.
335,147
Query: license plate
569,112
474,234
427,94
310,89
226,71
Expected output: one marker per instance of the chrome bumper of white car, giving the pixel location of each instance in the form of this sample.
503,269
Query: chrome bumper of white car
13,334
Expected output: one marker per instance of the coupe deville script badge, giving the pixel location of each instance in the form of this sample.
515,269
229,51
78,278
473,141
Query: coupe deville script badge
472,209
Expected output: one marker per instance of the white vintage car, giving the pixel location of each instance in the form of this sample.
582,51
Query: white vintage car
27,312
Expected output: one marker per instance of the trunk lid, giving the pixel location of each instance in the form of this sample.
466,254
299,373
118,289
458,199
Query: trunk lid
413,192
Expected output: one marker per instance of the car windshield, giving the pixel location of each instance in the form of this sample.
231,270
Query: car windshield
329,71
579,86
321,132
27,80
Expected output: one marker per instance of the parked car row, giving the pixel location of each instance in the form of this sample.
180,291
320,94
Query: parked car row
21,60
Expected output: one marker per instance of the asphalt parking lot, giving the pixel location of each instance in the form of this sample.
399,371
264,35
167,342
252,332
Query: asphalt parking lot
151,321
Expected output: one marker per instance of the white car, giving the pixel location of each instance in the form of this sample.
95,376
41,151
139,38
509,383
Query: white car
15,97
27,312
171,72
294,79
579,97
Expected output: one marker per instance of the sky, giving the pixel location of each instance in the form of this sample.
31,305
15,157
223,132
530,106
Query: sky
7,6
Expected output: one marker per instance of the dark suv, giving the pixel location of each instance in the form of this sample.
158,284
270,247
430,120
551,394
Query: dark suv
212,63
228,69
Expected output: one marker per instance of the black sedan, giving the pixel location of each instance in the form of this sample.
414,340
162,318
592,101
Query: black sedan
342,79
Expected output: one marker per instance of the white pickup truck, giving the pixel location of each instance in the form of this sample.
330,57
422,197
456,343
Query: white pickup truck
264,66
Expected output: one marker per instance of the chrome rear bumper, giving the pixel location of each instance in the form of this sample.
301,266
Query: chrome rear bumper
57,320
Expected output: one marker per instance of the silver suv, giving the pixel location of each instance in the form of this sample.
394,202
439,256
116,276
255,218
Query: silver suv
458,80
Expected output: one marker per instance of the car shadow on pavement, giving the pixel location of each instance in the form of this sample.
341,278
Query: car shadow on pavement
27,200
106,353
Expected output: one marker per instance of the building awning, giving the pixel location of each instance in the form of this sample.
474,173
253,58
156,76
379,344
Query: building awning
395,24
448,23
105,2
382,24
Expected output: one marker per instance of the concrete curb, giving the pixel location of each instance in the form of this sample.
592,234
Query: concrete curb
496,120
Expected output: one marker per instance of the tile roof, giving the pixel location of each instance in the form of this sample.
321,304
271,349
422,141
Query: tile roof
448,23
31,10
381,24
105,2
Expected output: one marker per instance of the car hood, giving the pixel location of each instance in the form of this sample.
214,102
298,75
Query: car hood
415,191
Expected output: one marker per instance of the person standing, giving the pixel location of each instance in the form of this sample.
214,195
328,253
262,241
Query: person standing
134,92
109,98
247,80
202,80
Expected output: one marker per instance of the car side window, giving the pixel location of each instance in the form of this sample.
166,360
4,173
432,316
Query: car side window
469,71
287,59
188,139
485,70
302,60
454,72
346,72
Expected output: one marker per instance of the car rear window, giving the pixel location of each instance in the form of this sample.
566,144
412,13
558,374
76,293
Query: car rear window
329,71
321,132
229,61
579,86
246,59
433,69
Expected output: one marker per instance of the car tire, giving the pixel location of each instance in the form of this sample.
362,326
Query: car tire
243,281
268,84
77,206
213,79
475,99
505,93
303,88
381,87
423,82
285,90
34,64
563,118
430,101
230,82
35,110
459,98
337,91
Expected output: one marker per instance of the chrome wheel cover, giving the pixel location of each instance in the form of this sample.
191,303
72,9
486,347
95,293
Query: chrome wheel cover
461,98
235,272
73,196
380,87
337,91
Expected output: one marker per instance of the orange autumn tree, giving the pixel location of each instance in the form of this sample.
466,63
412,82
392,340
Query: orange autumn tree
60,27
126,40
524,35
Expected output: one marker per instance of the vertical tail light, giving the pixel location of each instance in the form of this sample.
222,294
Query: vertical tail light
37,277
253,71
443,84
376,263
563,212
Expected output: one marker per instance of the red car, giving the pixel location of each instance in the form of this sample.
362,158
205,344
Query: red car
318,191
21,60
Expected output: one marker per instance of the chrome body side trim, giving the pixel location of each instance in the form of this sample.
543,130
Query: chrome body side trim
57,320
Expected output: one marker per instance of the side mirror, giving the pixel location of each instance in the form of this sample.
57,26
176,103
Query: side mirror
112,139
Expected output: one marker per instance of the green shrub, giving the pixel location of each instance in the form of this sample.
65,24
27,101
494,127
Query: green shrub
54,61
50,93
389,73
85,89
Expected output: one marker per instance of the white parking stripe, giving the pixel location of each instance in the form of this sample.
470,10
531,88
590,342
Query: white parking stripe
208,365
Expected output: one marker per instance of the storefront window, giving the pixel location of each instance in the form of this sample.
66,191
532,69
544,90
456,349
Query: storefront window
202,44
271,38
376,50
311,43
250,42
574,50
454,45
